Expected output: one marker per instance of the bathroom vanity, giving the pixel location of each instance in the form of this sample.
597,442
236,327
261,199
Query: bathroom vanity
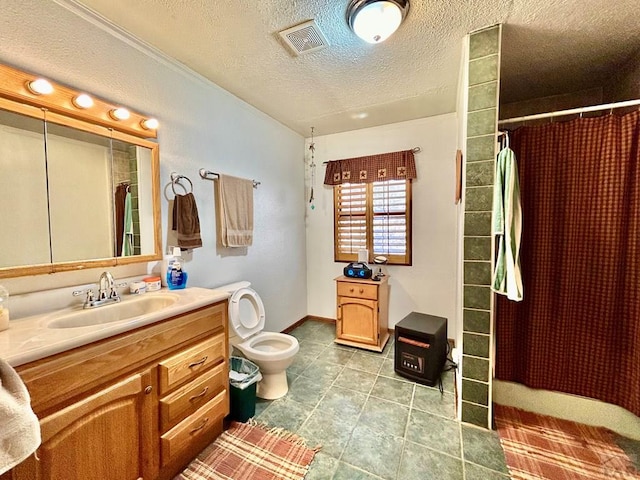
362,313
138,405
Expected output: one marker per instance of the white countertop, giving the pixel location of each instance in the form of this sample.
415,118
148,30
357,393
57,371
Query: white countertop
30,338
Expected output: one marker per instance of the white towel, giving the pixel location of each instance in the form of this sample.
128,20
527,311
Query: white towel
507,226
235,198
19,427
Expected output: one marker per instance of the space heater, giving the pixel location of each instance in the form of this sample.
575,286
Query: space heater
421,347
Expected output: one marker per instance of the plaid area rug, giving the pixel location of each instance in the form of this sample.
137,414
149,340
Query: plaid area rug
251,451
539,447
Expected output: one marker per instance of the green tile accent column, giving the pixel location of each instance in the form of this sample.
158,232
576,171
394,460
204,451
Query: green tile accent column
484,72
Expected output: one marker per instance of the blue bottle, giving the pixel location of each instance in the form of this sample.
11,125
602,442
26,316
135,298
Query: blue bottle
176,276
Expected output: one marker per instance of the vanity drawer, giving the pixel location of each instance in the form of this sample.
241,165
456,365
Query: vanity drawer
189,398
179,438
191,362
357,290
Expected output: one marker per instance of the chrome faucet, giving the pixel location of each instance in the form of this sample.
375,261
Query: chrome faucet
107,287
107,292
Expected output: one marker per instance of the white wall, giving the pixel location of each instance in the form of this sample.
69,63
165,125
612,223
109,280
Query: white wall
202,126
429,285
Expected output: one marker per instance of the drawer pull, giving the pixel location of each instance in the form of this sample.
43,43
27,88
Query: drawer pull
148,389
201,426
362,290
201,394
199,362
351,290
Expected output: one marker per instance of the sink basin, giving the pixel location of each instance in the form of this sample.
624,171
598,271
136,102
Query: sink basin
115,312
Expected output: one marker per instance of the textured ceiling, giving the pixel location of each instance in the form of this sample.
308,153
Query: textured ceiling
550,46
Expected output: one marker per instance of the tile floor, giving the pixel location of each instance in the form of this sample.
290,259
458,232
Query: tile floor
372,423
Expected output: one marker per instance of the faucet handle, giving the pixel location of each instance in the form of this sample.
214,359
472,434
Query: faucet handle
77,293
88,291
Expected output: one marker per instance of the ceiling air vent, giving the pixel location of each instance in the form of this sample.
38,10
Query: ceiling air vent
304,38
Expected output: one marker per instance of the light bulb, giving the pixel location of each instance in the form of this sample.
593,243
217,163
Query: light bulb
377,21
40,86
150,124
120,113
83,101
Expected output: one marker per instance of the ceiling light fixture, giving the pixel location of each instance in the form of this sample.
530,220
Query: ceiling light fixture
150,124
120,113
82,101
375,20
40,86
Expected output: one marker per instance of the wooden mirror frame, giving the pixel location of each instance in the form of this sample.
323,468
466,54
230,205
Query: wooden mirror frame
59,109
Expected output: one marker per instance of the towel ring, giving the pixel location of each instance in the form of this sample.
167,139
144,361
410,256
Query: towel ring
175,179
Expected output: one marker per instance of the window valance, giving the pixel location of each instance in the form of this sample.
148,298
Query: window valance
372,168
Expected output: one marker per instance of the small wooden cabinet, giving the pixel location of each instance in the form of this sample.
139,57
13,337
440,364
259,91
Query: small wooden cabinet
137,406
362,313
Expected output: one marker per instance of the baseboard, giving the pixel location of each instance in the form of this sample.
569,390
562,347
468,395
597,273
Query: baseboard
308,317
569,407
315,318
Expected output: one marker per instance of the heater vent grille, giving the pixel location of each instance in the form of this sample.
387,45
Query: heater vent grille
304,38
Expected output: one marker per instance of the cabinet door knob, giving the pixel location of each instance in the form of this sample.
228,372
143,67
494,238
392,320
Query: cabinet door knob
199,362
148,389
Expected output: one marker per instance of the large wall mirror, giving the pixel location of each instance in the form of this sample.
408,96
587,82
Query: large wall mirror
74,194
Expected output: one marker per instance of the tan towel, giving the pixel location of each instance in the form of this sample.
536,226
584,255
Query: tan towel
235,198
19,427
186,221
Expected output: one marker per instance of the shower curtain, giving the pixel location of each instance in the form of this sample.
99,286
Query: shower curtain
578,328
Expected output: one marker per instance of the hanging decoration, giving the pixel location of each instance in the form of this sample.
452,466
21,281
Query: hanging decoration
312,168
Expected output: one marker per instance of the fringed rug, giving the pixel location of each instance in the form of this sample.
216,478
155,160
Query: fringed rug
541,447
251,451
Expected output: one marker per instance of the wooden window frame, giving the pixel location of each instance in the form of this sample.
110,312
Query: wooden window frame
353,257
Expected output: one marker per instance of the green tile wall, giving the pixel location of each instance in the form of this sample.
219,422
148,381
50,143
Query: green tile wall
484,65
480,173
478,321
475,414
475,392
477,248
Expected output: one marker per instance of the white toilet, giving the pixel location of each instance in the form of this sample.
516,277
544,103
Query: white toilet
272,352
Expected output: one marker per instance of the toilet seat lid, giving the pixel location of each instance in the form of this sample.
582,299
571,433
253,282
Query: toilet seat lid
246,312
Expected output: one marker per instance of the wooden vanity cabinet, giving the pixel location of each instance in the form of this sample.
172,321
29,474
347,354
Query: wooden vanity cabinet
137,406
362,313
104,436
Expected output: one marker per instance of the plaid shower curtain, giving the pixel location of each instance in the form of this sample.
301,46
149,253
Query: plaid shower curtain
578,329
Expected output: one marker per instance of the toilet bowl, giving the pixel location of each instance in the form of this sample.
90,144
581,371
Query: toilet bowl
272,352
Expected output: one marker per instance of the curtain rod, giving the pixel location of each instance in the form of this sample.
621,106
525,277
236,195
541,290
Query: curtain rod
414,150
560,113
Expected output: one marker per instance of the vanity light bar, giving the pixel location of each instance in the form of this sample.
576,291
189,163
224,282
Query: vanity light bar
120,113
40,86
82,101
150,124
30,89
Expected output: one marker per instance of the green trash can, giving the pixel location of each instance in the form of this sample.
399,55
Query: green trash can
243,380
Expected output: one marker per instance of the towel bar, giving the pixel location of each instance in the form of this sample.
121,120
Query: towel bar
204,173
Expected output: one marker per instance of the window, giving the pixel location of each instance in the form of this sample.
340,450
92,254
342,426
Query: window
375,216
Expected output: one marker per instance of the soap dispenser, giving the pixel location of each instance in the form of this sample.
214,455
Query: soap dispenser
176,276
